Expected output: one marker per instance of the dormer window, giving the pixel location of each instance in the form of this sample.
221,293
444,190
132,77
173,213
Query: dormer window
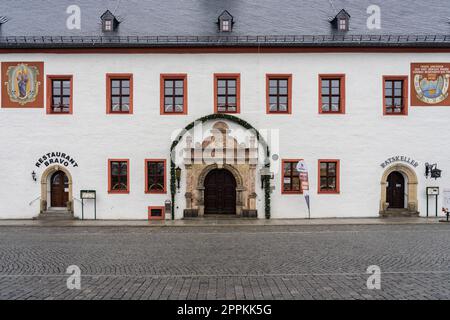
109,22
343,24
225,25
225,22
341,21
108,25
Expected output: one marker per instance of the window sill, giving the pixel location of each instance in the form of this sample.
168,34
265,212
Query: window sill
118,192
155,192
394,114
328,192
291,192
279,112
331,112
225,112
173,113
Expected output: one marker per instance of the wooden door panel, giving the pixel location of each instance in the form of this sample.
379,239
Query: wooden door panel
220,192
59,189
395,192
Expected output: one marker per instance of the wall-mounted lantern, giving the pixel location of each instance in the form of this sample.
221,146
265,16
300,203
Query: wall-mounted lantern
33,175
431,171
178,176
168,205
265,172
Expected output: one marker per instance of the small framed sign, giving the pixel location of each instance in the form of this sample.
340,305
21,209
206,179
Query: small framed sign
87,194
431,191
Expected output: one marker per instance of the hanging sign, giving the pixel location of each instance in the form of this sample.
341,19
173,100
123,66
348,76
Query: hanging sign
303,174
430,84
56,158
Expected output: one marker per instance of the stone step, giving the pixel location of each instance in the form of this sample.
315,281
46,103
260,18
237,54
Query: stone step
398,213
56,215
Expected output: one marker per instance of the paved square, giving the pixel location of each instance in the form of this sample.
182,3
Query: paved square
240,262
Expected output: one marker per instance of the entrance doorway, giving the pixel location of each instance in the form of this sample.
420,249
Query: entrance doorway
220,192
59,190
395,190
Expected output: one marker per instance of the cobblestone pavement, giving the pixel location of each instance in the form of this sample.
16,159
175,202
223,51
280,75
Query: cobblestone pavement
289,262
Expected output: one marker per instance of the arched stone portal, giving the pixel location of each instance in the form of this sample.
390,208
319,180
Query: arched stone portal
239,160
411,207
45,187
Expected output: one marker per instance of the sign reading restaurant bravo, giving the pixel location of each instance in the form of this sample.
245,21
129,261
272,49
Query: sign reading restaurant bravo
408,160
56,158
430,84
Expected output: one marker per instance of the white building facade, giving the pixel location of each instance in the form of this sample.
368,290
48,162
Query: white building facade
105,120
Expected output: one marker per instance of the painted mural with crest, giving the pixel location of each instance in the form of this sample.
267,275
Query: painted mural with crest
22,84
430,84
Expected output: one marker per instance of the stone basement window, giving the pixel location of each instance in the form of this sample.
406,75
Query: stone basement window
156,213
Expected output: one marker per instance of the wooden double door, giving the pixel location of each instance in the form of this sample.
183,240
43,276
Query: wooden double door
395,190
220,192
59,192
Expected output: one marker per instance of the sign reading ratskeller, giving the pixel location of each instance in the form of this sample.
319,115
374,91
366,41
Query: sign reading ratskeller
408,160
430,84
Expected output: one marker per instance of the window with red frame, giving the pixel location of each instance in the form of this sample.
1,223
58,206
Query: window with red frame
61,95
173,94
227,93
156,176
120,95
278,94
394,96
328,176
291,178
118,179
332,93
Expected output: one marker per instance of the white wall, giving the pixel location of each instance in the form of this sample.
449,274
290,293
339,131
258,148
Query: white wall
362,138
